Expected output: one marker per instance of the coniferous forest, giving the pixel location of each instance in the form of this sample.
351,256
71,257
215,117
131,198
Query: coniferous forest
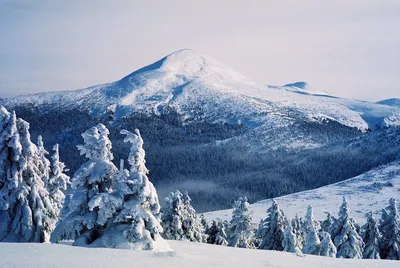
217,173
118,207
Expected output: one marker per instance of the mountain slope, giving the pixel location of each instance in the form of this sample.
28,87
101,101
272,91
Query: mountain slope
370,191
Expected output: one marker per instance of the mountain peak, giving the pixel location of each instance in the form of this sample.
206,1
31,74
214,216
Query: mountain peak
300,85
184,52
184,61
186,65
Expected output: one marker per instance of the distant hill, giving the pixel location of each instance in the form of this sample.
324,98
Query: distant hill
370,191
390,102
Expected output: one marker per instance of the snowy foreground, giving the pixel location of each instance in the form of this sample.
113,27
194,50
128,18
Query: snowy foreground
183,254
370,191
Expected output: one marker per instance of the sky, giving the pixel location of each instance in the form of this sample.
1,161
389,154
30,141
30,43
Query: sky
347,48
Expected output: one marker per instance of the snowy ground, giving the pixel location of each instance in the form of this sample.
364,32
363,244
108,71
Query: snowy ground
184,254
369,191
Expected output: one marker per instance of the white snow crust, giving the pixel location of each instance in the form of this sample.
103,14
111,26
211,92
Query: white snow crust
183,254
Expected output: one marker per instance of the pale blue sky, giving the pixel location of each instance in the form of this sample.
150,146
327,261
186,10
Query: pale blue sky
349,48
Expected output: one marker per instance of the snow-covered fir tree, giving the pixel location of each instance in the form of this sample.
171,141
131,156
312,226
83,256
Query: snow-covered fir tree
211,231
324,226
312,243
271,229
204,222
133,219
222,234
298,229
180,220
217,233
357,226
371,237
389,226
328,249
122,174
58,180
344,234
192,225
172,216
289,241
45,163
80,222
26,212
240,230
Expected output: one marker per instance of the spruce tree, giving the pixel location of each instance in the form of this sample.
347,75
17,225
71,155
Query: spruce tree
45,163
241,233
26,212
172,216
80,222
371,237
192,226
271,229
221,236
328,249
58,180
344,234
180,220
298,229
289,242
204,222
211,232
312,243
326,224
216,233
133,218
389,226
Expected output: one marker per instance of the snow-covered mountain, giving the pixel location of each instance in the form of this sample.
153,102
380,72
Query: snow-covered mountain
213,128
191,82
370,191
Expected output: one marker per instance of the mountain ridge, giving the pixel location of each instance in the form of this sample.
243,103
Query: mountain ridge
390,102
185,77
200,89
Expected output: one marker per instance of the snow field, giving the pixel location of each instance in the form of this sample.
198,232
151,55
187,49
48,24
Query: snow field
184,254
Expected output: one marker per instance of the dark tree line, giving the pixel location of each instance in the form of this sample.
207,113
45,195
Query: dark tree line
196,162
